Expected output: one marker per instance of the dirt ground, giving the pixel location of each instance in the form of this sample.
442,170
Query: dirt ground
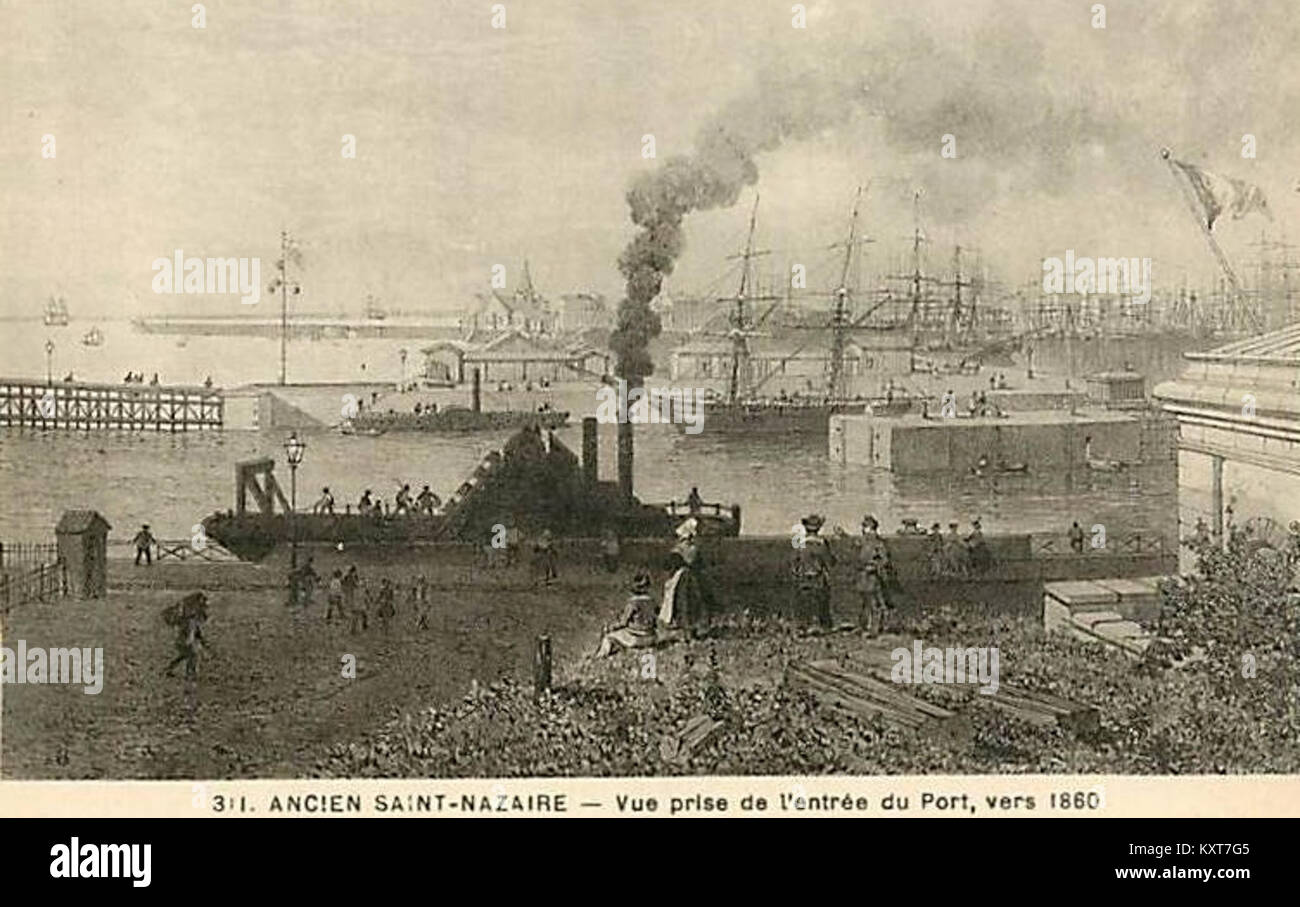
271,697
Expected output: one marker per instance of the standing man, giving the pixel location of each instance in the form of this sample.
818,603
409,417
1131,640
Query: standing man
694,503
426,501
144,541
873,574
403,502
306,580
325,504
334,597
811,569
609,549
978,555
422,602
1076,538
350,582
387,604
954,551
544,558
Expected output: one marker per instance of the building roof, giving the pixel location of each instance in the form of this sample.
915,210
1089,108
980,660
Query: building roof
74,522
509,345
1281,347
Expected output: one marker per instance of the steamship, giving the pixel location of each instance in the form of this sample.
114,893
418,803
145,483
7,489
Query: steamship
534,479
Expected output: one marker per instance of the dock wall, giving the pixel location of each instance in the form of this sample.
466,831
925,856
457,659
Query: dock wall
915,446
752,574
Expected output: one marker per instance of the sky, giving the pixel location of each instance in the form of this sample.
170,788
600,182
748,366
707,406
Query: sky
478,146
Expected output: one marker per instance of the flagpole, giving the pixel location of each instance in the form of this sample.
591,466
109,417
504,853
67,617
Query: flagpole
1233,283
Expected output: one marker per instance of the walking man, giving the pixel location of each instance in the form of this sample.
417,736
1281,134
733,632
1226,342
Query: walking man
189,617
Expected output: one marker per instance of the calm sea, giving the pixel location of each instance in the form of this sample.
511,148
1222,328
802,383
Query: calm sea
172,481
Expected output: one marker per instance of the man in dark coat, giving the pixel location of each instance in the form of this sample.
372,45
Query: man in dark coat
811,570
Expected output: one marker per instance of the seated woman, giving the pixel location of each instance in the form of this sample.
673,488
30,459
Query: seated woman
636,628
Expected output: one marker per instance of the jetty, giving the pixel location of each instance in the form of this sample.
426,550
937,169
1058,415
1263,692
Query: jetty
82,406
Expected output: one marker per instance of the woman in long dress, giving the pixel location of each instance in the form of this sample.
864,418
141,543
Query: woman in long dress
688,600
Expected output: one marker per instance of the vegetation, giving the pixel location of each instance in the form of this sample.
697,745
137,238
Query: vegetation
1217,694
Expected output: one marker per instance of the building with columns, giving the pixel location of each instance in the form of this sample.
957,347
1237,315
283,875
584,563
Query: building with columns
1238,412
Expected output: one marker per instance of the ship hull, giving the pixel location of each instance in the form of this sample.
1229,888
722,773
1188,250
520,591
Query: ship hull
777,419
457,421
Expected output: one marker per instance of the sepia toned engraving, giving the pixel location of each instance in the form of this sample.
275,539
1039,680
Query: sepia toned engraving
699,388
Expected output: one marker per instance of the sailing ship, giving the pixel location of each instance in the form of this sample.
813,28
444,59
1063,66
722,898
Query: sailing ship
93,337
56,312
745,410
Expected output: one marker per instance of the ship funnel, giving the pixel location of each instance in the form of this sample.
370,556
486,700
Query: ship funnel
625,459
590,451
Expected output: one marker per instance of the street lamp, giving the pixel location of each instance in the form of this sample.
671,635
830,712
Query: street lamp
293,451
49,361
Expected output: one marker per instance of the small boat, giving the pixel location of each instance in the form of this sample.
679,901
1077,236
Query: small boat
93,337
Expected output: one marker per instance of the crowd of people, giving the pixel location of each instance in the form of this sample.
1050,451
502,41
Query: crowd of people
356,603
688,603
426,503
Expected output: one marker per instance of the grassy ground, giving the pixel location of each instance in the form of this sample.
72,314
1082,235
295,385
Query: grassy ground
272,694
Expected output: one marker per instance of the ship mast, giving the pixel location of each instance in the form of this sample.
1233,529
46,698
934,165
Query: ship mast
955,314
916,259
840,315
739,317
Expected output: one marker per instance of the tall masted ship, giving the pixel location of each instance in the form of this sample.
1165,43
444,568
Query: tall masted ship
744,409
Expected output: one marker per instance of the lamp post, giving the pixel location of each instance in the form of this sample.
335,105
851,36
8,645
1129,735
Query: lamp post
284,285
49,361
293,451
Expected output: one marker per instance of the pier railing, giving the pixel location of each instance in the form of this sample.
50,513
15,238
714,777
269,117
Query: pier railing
26,403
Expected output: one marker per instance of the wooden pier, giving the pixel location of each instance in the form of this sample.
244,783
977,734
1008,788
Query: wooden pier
26,403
